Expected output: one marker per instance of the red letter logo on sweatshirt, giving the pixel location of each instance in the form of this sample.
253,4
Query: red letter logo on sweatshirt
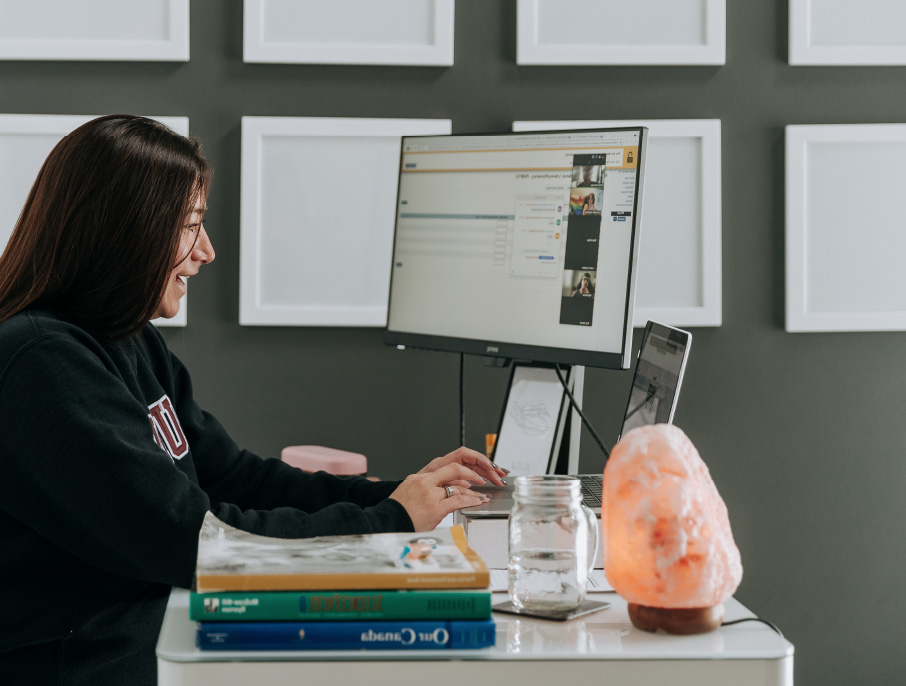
166,429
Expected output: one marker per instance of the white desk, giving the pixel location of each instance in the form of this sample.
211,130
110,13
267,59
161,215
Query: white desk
599,648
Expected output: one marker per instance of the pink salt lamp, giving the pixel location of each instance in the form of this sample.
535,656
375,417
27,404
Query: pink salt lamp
668,548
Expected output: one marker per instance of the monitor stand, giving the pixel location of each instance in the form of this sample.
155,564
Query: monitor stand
568,455
537,433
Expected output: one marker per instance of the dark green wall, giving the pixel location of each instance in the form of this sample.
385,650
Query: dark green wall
803,433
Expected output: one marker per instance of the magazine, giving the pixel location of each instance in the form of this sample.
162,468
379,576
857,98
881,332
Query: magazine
234,560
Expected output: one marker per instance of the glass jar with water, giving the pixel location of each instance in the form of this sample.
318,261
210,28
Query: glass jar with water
553,541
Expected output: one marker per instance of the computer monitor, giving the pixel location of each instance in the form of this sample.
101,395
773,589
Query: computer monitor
519,245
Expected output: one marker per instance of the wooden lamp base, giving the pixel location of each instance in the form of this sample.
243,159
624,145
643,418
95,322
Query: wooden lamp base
696,620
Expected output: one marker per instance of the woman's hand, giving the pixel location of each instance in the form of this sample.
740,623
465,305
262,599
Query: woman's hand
472,459
425,497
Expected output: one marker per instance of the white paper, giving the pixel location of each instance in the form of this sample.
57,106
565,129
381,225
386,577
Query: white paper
529,427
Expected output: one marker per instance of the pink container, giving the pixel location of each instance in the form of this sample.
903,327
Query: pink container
315,458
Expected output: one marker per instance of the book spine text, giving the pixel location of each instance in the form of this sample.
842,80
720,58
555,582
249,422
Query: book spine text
376,635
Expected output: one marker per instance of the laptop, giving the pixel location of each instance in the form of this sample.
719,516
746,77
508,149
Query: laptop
655,388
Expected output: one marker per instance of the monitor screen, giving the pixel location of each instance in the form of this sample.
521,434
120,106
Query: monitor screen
519,245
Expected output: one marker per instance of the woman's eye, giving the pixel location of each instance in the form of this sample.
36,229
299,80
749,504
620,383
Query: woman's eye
192,227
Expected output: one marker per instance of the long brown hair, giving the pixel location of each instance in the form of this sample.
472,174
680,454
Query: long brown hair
99,232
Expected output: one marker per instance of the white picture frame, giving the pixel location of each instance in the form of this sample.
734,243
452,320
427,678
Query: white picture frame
679,272
25,142
318,200
108,30
845,238
619,32
390,32
847,32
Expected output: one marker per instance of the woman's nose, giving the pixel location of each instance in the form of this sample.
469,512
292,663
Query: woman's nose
204,249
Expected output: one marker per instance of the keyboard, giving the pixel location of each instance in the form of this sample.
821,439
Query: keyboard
592,489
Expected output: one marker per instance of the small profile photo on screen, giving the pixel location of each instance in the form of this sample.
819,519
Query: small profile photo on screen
585,201
585,175
578,284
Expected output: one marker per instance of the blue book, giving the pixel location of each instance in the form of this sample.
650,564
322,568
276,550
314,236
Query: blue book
373,635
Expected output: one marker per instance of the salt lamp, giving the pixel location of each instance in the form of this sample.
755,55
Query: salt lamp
668,547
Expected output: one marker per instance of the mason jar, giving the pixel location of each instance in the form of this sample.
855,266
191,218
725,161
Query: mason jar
552,544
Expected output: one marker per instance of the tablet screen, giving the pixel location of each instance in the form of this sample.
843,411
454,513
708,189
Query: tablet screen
658,376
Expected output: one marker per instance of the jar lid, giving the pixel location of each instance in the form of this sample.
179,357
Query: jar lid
547,487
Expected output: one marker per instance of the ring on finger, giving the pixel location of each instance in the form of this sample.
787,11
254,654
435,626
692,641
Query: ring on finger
450,491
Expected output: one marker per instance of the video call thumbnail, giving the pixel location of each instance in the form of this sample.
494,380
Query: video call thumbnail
578,297
582,241
588,171
578,284
585,201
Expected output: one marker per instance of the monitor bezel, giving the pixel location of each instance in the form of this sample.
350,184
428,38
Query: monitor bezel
525,352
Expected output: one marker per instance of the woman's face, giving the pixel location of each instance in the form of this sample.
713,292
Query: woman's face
196,249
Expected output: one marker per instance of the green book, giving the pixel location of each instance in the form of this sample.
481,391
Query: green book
338,605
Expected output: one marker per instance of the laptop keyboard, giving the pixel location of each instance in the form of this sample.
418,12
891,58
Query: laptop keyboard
592,488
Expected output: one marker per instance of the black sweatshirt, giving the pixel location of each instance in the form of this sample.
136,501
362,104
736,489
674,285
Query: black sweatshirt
107,467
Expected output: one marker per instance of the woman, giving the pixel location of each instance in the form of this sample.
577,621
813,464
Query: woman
584,288
108,464
589,205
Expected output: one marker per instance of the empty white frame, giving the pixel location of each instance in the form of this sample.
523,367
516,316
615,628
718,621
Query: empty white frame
847,32
845,227
395,32
318,210
25,142
584,32
679,273
132,30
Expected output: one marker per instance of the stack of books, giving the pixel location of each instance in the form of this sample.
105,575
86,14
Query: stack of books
375,591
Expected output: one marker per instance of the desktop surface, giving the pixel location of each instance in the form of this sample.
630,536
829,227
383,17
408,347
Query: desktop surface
603,642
